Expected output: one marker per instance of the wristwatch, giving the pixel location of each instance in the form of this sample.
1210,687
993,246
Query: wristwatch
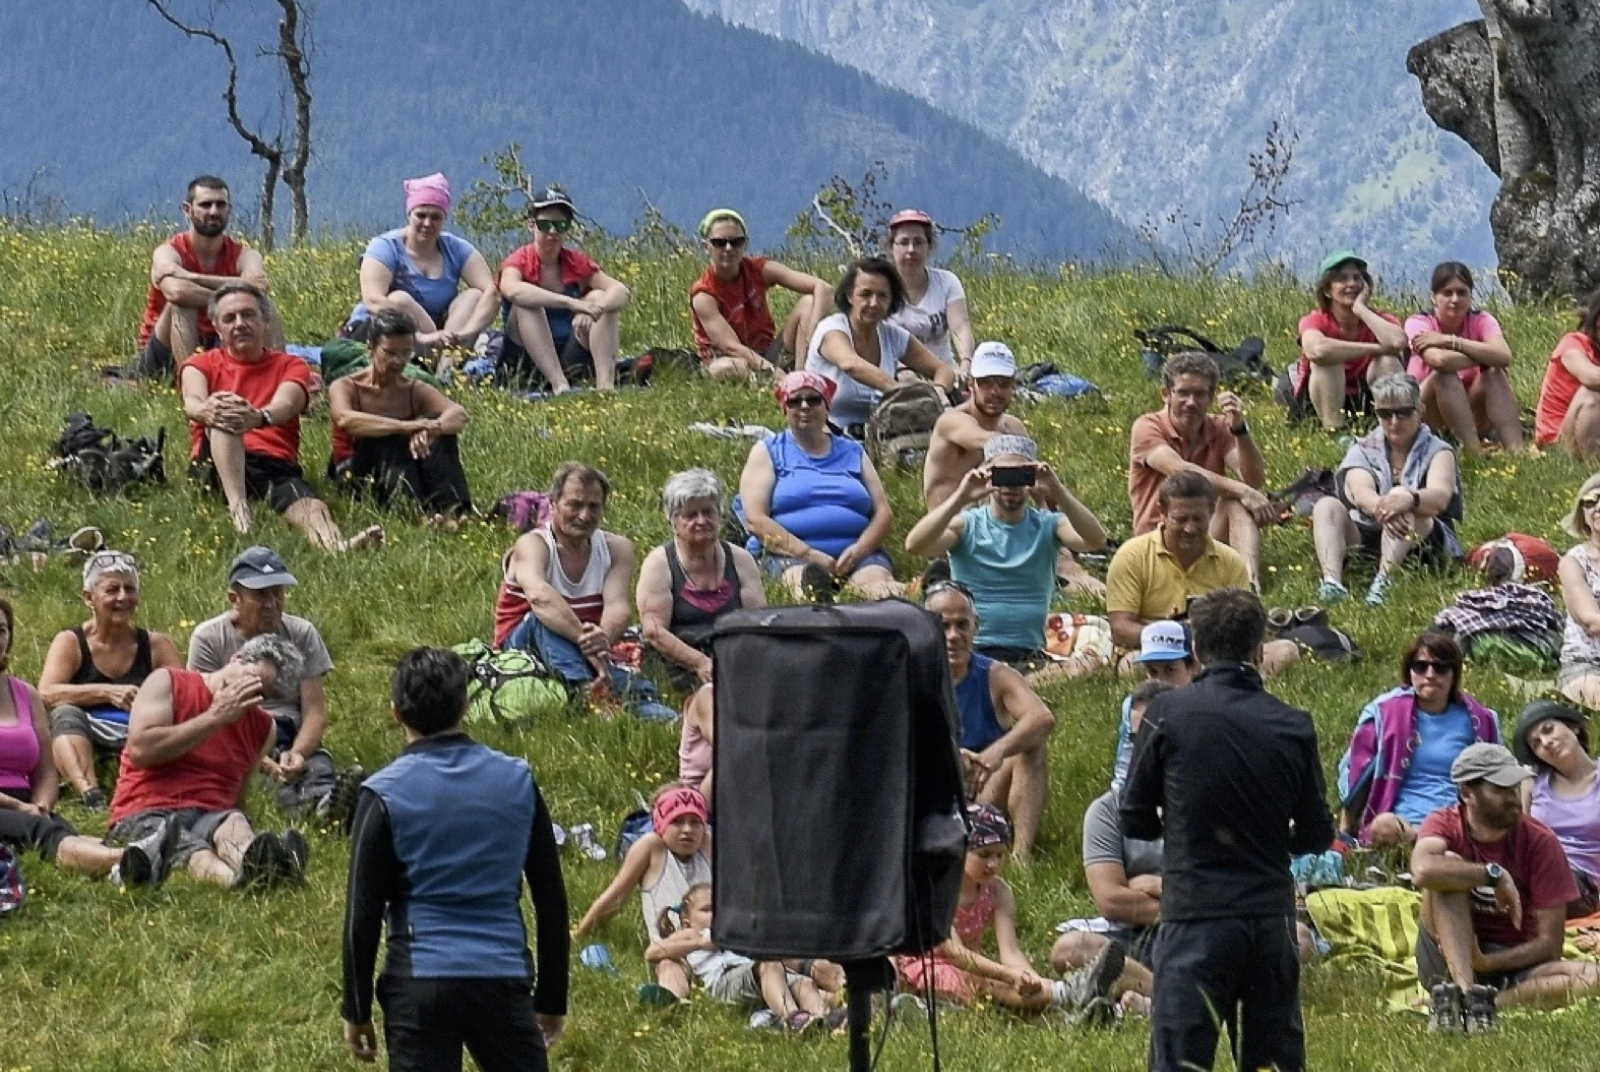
1242,430
266,417
1416,499
1495,873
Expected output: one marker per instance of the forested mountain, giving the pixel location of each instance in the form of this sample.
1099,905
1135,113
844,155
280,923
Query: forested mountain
1153,105
612,97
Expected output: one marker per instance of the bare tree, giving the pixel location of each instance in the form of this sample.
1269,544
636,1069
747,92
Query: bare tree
1518,86
288,167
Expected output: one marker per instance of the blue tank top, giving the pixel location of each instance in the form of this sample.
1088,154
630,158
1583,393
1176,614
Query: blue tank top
434,295
1011,570
823,501
980,725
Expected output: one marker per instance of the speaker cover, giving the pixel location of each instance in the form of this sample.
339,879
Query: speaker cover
838,792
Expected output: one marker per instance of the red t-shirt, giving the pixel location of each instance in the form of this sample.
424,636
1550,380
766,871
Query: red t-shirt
576,267
1355,372
227,263
742,301
1532,856
210,776
256,382
1555,394
1154,430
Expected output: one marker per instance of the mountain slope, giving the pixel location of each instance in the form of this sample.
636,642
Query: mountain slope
613,97
1153,105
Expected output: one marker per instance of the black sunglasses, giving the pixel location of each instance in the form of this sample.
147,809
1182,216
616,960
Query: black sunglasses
1590,501
1422,666
1401,412
561,226
728,243
946,585
796,401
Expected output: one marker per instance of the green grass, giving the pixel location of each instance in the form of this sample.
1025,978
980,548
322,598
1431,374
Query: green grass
193,977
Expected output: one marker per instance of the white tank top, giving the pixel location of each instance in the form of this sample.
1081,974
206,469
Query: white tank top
586,594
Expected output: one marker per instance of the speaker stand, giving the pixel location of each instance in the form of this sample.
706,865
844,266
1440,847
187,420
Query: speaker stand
861,978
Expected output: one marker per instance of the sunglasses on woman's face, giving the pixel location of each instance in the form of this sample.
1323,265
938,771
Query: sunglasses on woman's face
1398,413
560,226
728,243
1590,501
1422,666
796,401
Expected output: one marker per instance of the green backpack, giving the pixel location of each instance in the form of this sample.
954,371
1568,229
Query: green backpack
509,686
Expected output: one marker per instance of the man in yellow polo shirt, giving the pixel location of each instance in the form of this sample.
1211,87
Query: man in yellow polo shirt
1154,576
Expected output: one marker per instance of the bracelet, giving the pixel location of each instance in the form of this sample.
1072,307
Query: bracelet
806,967
1455,343
1416,500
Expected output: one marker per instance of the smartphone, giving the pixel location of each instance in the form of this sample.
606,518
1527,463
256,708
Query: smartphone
1012,476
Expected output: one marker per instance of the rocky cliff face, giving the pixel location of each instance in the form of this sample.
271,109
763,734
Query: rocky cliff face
1152,106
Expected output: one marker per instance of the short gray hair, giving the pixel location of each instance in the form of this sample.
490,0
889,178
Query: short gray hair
281,654
689,486
1397,389
103,563
236,286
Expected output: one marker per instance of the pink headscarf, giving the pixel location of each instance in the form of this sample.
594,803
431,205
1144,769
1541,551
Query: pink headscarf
429,190
675,803
800,378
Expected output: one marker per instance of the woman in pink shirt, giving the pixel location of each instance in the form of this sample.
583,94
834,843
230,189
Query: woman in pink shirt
1472,398
1344,343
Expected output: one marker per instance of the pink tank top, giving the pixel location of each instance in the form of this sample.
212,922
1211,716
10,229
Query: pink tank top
971,921
19,744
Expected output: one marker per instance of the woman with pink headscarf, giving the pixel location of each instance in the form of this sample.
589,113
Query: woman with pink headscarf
420,269
814,503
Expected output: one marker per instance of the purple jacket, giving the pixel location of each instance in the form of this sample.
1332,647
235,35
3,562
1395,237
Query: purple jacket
1379,755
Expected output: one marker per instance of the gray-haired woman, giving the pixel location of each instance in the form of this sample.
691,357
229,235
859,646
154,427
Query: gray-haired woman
687,582
1398,489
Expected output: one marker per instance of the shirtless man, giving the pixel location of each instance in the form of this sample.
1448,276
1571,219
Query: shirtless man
959,437
185,271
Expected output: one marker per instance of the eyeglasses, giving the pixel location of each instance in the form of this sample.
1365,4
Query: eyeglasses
728,243
946,585
796,401
561,226
1398,413
1422,666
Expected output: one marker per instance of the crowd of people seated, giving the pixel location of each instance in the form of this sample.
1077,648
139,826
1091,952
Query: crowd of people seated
1424,774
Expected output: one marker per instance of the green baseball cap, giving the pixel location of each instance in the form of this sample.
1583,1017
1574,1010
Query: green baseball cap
1338,257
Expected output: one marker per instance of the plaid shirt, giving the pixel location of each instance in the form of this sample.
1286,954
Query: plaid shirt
1505,608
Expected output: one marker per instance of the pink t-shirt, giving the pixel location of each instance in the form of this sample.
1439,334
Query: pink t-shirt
1355,370
1479,327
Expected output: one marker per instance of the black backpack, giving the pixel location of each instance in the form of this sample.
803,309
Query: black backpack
103,461
1242,365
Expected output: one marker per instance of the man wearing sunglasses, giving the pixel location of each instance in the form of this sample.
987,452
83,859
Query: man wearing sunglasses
733,326
1398,490
561,310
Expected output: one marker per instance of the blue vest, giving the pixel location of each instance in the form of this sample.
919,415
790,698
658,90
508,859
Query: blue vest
460,814
980,726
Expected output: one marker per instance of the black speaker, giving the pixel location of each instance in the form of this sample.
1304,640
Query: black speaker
839,820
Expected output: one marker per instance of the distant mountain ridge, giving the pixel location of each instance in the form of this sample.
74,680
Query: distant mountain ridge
612,97
1153,105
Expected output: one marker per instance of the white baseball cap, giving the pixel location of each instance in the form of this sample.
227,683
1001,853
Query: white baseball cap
993,359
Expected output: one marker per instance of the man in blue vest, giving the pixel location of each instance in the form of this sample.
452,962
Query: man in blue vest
442,840
1005,727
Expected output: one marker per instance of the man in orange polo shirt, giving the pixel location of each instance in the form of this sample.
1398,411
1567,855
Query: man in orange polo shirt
244,403
1183,436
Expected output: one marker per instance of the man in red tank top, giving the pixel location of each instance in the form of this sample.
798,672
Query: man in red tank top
185,271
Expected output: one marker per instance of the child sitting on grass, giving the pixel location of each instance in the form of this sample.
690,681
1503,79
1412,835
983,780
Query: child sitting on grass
955,971
791,995
662,865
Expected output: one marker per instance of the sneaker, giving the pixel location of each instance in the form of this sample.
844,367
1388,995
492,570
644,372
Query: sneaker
94,799
904,1003
341,799
765,1020
656,995
1331,592
1100,1012
1445,1012
1092,981
583,837
836,1020
1379,590
816,583
799,1021
294,856
1480,1018
260,861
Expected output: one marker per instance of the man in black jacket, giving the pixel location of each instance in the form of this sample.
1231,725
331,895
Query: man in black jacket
1230,777
443,838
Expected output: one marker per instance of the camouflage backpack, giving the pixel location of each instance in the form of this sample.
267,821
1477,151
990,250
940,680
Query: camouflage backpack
901,424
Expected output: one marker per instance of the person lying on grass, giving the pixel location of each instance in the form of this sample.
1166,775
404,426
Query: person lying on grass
662,866
956,971
791,991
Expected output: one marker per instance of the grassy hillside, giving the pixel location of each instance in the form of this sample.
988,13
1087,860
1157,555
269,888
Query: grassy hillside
195,978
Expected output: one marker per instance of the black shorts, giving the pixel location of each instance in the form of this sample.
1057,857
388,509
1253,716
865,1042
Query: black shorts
279,483
516,366
155,360
1431,550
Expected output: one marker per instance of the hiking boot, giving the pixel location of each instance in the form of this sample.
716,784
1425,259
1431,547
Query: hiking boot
1093,980
259,862
94,799
1445,1012
1331,592
1480,1018
1379,590
816,583
294,856
339,806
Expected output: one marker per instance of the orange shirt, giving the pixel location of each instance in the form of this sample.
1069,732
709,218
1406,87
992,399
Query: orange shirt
1155,430
1555,394
256,382
227,263
743,304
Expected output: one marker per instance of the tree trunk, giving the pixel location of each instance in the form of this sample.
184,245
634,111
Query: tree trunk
297,67
1522,88
269,197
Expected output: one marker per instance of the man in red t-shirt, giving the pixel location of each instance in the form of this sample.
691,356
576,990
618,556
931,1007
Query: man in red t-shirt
193,740
185,271
244,402
1495,885
1184,435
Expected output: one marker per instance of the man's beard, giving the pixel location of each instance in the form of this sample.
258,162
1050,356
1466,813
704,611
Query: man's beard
210,228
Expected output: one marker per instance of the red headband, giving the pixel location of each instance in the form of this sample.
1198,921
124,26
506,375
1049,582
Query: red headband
800,379
675,803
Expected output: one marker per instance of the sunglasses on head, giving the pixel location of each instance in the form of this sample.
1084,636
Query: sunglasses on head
560,226
1399,412
728,243
946,585
1422,666
815,401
